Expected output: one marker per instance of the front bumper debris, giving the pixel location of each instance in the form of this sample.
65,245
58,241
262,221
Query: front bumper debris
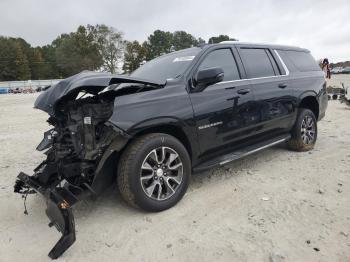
59,210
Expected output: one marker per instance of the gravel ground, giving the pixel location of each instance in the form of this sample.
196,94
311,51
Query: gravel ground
275,205
338,79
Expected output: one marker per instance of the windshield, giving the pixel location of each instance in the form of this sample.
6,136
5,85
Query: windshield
168,66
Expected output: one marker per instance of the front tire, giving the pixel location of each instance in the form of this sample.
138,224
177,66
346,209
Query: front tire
304,132
154,172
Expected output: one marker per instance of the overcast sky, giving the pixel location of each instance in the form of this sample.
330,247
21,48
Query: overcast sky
321,26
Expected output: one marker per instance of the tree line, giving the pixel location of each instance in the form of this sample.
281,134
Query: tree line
340,64
91,47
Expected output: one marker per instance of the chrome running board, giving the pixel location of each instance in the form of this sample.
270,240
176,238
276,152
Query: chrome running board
235,155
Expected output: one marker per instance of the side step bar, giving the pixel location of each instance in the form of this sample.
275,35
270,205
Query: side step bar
235,155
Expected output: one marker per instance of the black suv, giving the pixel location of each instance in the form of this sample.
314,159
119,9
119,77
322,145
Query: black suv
180,113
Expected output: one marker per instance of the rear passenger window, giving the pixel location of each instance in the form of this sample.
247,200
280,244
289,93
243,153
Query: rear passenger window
256,62
222,58
302,61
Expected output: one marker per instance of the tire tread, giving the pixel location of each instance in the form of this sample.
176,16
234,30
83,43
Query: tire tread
126,165
295,143
125,162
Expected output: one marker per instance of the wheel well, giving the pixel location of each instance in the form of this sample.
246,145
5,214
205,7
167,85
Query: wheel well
311,103
172,130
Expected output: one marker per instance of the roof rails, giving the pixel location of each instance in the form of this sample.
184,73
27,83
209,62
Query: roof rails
229,42
274,46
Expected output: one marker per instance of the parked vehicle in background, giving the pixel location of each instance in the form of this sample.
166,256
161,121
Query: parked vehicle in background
4,90
346,70
28,90
16,90
24,90
180,113
336,70
341,70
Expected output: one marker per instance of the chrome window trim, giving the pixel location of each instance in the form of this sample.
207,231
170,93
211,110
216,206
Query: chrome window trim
264,77
282,62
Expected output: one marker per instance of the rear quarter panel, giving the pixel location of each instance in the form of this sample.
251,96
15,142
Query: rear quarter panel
313,83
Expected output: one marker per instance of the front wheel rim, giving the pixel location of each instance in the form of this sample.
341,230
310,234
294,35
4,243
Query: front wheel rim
161,173
308,130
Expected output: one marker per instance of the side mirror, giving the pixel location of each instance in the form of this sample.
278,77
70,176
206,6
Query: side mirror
209,76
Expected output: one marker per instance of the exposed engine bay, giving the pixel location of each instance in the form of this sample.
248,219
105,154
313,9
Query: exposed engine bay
78,139
79,147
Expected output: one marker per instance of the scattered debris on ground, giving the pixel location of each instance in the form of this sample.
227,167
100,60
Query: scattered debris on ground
223,217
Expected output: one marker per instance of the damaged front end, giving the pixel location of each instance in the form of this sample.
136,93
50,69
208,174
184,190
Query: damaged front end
81,147
59,202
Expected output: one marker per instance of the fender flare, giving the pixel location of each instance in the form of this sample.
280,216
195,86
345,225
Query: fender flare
306,94
104,174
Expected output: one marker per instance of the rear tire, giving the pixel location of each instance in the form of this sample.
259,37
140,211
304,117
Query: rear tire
154,172
304,132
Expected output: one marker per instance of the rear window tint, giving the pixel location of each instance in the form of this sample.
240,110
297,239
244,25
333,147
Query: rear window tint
256,62
299,61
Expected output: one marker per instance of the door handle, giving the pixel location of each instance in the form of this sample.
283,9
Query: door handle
229,88
232,98
282,85
243,91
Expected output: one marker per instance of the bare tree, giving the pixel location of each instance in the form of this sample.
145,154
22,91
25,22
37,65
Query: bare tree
111,46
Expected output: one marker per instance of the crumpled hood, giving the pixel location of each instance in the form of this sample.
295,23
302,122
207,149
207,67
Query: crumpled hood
91,82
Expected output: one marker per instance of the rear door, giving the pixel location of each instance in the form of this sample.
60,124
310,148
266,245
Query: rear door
222,110
275,102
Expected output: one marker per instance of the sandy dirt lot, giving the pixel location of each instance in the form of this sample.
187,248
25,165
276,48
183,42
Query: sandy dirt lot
338,79
276,205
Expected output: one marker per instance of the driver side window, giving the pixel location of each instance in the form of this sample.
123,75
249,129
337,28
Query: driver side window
222,58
